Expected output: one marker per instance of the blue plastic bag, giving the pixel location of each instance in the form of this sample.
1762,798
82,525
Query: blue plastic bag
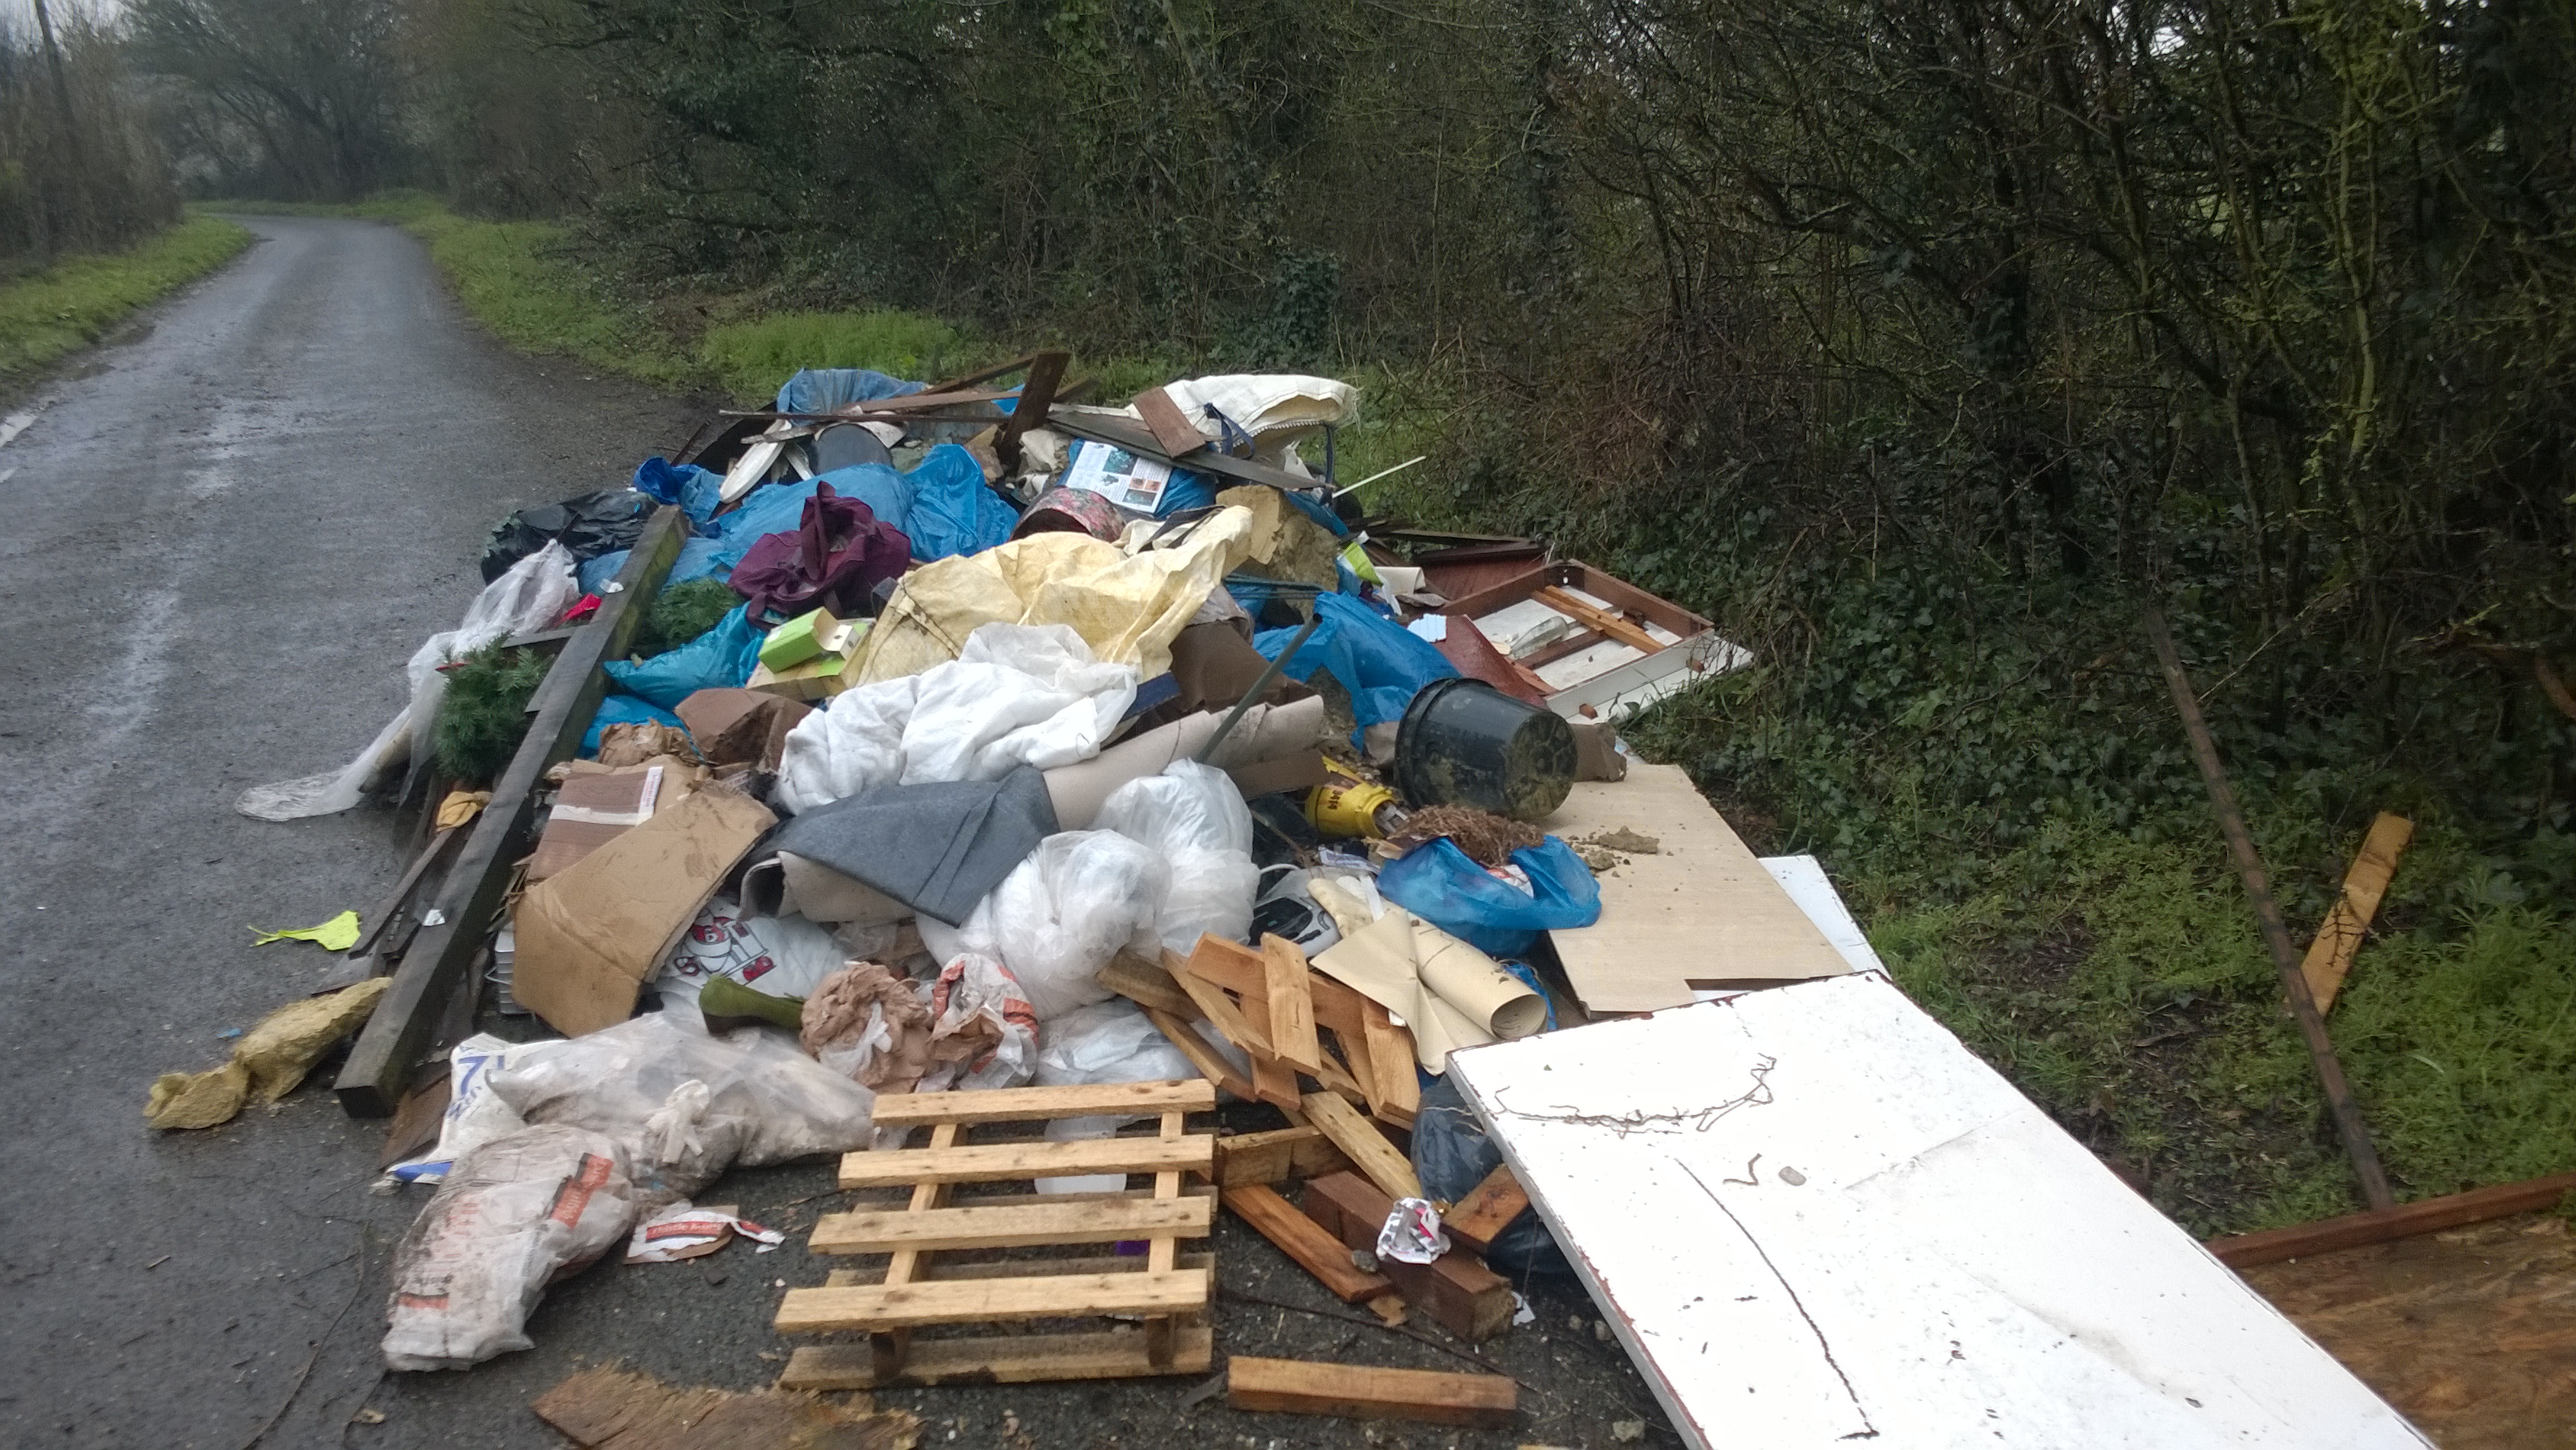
1438,883
719,659
827,390
1380,662
699,559
624,710
696,490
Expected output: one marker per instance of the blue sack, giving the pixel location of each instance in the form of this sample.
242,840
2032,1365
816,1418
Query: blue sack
719,659
1383,664
952,512
1438,883
696,490
624,710
699,559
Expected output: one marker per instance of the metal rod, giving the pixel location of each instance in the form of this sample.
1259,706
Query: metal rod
1381,473
2267,914
1263,683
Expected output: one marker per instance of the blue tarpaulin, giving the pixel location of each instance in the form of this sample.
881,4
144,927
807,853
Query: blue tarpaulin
694,489
719,659
825,390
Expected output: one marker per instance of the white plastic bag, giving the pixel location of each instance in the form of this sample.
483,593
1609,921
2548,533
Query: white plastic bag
982,1033
1015,695
536,592
1060,915
1107,1042
687,1105
781,956
475,1114
1192,816
515,1214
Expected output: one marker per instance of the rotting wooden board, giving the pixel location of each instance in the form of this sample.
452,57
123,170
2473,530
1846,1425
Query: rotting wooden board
2471,1333
2329,958
434,970
1305,1243
1007,1359
1858,1228
1700,908
1365,1392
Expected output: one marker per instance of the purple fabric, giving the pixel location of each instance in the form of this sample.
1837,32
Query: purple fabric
834,559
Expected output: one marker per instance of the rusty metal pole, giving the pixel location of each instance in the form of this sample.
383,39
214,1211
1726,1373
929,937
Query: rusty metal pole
2267,914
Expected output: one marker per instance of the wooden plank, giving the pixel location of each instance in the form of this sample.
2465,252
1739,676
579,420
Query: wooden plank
1456,1290
2329,957
392,904
1146,984
1273,1081
1305,1243
1367,1148
1287,990
1364,1392
1005,1105
987,1163
971,1301
1210,1063
1037,394
400,1033
973,1226
1170,428
1008,1359
1699,908
1395,1088
1228,964
1338,1007
2425,1215
1487,1210
1275,1156
937,1269
1162,1251
1598,620
1221,1012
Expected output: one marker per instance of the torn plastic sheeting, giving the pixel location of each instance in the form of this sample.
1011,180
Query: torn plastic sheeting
1378,661
693,488
828,390
1016,695
1126,607
720,659
1437,882
1058,918
587,526
531,596
338,934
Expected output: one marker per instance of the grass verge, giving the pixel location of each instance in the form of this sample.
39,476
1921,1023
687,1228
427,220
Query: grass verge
73,303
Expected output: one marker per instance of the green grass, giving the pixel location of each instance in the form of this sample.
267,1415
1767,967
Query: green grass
73,303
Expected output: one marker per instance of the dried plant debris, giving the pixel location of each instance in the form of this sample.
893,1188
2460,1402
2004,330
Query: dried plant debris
1488,839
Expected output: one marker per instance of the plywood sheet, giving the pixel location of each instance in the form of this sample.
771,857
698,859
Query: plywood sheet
2471,1333
1701,908
1813,1217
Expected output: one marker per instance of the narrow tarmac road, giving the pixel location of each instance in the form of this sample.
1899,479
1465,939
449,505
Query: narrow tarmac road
226,532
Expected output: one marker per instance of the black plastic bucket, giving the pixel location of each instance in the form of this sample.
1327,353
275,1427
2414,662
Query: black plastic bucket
1462,742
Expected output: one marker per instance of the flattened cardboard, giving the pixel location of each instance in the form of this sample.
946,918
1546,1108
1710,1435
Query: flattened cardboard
738,726
1702,908
595,807
590,938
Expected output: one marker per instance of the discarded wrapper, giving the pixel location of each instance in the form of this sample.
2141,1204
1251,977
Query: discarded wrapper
1412,1233
683,1231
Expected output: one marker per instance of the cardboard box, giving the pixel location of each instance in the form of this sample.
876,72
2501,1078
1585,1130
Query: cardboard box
818,678
741,726
595,807
590,938
799,639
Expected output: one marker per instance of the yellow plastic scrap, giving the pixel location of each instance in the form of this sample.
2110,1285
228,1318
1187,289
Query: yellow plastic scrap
1127,607
461,806
268,1061
338,934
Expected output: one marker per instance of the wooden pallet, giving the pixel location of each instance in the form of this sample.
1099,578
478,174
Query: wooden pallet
923,1283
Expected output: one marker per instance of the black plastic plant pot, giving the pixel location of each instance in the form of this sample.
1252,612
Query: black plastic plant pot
1462,742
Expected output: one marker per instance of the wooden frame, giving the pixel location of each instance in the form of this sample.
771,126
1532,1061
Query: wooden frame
1662,667
405,1023
911,1291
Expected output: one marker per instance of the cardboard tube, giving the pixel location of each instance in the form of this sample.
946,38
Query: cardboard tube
1266,732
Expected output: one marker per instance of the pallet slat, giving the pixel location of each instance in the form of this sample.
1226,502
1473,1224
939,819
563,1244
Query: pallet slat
1003,1359
1008,1105
1049,1296
975,1227
1001,1161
